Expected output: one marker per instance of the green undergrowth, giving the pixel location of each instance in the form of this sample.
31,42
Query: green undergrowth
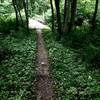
73,79
17,66
86,43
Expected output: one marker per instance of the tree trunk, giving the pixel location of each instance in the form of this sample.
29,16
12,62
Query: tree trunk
52,10
66,15
57,4
65,9
25,4
18,9
16,13
73,13
94,16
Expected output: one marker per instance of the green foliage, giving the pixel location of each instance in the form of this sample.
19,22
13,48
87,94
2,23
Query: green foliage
47,16
7,21
78,38
86,43
6,9
17,70
86,6
72,78
91,51
7,24
38,7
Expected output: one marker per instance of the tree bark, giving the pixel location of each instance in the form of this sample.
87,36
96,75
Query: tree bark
18,9
52,10
73,13
57,4
16,13
94,16
25,4
65,9
66,15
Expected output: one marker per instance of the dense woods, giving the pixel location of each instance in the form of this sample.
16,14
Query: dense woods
72,42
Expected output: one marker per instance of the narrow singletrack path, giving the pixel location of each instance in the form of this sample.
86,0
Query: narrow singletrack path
44,84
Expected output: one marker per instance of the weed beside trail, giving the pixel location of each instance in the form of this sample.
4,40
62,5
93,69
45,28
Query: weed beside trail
17,66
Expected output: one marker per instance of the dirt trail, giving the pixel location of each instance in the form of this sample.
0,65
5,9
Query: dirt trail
44,85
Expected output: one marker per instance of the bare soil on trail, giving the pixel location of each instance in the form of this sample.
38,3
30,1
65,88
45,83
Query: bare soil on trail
44,84
43,80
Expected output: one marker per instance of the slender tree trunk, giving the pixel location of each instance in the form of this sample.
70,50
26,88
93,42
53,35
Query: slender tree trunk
18,9
66,15
65,9
52,10
57,4
94,16
16,13
73,13
26,13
